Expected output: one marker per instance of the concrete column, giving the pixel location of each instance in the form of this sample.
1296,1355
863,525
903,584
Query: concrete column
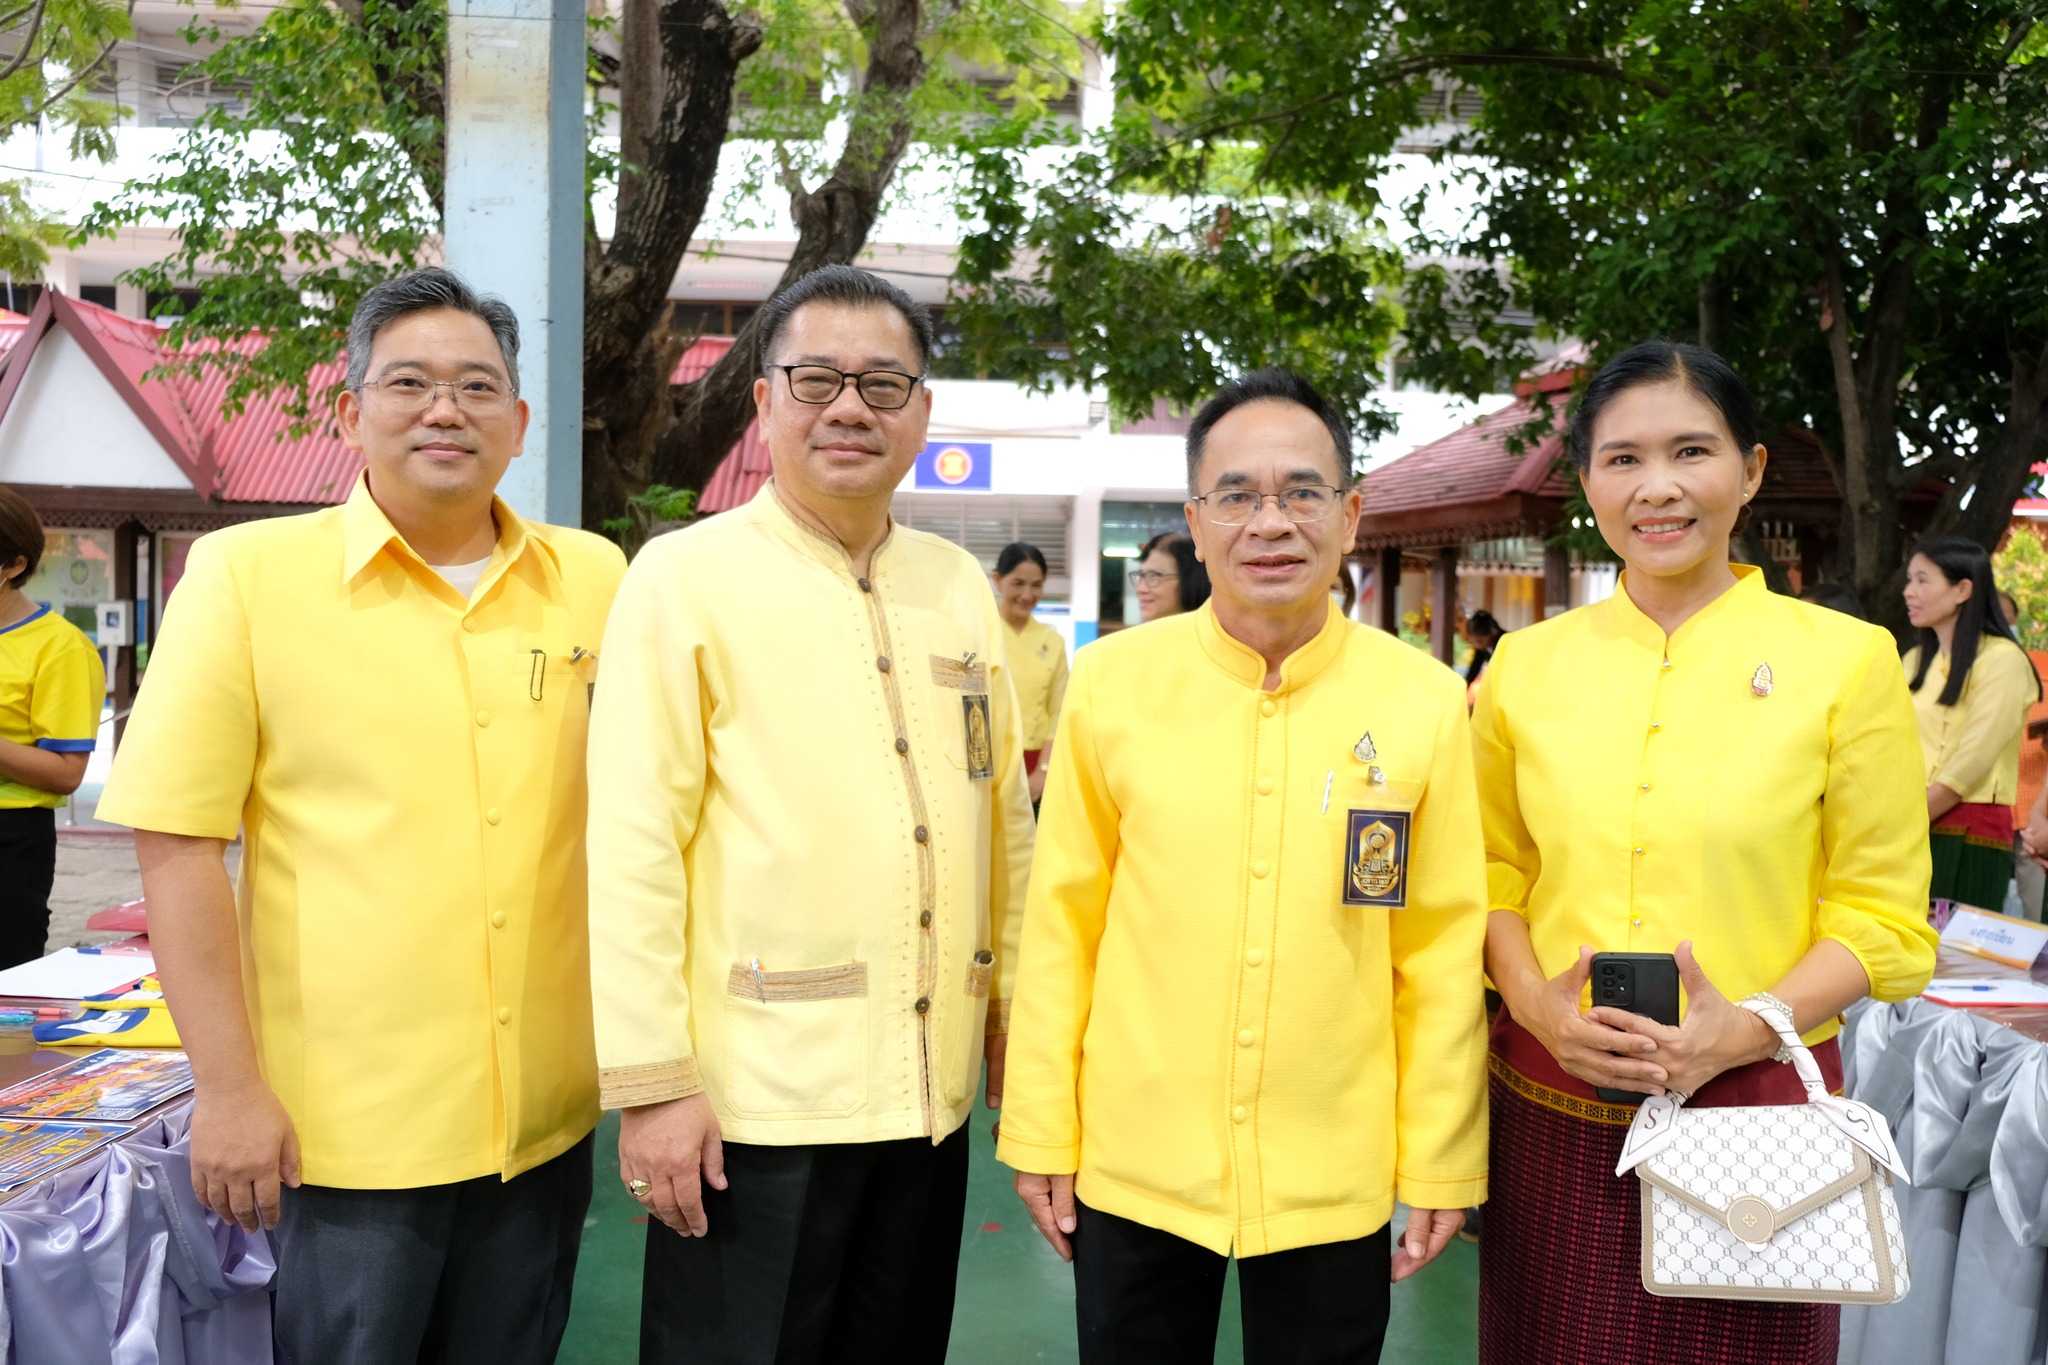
1386,584
1443,615
61,274
1084,565
514,219
130,300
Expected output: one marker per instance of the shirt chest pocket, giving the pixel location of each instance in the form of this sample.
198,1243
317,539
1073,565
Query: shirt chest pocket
542,683
1370,828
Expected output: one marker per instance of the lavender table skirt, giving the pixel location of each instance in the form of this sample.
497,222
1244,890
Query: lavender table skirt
115,1262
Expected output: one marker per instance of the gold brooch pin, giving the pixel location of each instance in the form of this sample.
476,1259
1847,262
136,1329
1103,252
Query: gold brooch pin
1760,681
1364,751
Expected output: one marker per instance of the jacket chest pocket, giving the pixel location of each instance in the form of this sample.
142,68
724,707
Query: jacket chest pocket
960,704
1374,826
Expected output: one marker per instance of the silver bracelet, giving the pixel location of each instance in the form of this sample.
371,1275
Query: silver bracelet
1784,1053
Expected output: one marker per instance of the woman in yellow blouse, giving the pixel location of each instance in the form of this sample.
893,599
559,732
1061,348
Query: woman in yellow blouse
1972,688
51,688
1036,654
1694,766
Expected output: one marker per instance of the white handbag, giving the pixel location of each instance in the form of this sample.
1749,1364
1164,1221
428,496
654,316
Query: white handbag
1778,1202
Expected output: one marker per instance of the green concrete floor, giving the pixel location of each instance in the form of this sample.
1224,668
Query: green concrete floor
1016,1299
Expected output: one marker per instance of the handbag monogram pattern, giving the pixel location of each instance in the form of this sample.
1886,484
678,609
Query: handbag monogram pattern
1776,1202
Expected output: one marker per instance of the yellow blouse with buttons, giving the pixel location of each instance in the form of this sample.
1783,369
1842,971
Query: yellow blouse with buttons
1973,747
1037,656
1752,784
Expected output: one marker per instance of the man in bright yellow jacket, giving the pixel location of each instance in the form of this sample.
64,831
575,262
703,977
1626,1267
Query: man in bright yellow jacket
808,842
1248,1016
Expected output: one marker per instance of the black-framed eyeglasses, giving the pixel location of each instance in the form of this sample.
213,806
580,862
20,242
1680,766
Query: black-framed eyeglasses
1300,503
882,390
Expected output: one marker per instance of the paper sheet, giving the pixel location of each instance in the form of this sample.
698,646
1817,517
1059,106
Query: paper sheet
69,974
108,1085
1985,992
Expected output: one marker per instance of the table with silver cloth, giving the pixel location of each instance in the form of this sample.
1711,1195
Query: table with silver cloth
1966,1093
112,1261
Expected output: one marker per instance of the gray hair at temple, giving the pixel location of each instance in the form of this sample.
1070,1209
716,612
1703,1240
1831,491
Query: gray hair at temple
418,292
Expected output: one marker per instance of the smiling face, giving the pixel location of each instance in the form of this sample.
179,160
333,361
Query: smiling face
843,450
1160,596
1019,590
1931,600
1667,480
443,455
1271,564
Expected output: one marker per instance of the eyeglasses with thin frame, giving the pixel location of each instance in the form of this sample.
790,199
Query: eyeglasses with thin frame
882,390
1150,578
408,391
1302,502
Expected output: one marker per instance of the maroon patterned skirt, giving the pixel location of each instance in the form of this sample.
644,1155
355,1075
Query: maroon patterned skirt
1560,1260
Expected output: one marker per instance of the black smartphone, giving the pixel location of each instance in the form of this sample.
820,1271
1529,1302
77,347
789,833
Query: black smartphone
1641,983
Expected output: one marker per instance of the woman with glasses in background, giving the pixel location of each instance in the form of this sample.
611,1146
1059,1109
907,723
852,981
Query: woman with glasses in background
1169,578
1036,653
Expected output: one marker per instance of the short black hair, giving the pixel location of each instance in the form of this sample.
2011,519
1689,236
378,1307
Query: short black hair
1283,385
1659,362
1483,623
1015,553
847,286
1194,575
417,292
21,535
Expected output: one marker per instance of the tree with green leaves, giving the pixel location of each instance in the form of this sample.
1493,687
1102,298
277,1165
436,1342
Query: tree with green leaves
1845,197
51,54
328,177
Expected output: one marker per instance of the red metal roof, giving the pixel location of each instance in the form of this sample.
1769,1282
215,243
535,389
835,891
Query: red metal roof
1472,465
745,467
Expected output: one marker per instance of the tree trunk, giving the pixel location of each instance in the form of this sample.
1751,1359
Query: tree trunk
671,134
833,223
2005,460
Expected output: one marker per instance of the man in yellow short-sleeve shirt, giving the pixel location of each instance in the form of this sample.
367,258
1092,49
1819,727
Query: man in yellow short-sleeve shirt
808,841
1248,1007
389,700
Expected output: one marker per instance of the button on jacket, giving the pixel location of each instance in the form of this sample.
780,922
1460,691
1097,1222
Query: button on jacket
1038,665
1205,1030
1973,747
1752,784
809,831
406,769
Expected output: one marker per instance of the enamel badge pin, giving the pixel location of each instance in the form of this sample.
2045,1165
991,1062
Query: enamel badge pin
1364,751
1760,681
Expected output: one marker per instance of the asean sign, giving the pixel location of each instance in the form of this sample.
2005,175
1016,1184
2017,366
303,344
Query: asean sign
954,464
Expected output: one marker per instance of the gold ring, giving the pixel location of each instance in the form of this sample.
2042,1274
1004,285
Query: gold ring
639,1189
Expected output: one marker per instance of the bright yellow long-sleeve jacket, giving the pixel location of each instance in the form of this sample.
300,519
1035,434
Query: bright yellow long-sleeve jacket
809,831
1248,1010
1751,783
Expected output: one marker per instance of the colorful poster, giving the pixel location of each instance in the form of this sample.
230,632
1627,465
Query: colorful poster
30,1151
108,1085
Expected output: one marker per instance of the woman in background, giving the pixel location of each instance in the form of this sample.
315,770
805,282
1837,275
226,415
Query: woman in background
1169,579
1972,687
51,688
1035,653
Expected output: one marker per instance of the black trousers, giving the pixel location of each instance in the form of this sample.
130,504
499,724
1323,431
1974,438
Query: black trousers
1146,1297
478,1271
28,868
840,1252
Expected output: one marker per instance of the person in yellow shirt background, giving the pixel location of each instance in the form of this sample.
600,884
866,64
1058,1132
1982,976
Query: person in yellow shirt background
1972,688
809,838
1037,655
392,1019
1248,1009
1694,766
52,684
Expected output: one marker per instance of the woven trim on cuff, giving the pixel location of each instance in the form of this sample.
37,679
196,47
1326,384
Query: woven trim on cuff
998,1016
624,1087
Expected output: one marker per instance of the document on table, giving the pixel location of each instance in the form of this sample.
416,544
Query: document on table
111,1084
1985,992
71,974
31,1150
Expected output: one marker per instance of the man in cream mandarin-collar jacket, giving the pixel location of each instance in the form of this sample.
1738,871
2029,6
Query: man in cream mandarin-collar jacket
808,843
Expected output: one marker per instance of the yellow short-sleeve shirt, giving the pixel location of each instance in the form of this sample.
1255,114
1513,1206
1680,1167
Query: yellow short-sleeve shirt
406,769
52,686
